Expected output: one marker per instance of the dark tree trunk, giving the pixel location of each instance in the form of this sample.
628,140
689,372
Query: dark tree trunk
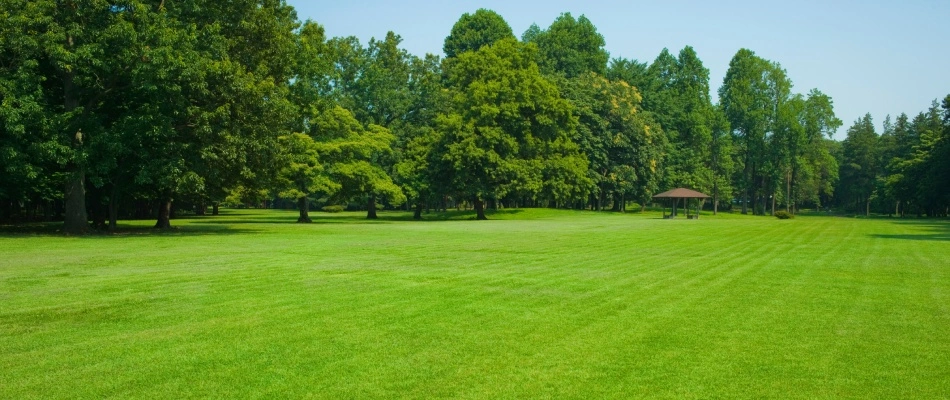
747,190
202,208
371,208
215,208
788,194
113,208
480,210
76,221
98,214
303,205
164,214
418,213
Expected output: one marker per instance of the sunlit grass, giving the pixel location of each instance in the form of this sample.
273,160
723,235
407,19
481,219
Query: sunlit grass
533,303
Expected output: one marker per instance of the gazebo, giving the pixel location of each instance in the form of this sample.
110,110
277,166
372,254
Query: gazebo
676,195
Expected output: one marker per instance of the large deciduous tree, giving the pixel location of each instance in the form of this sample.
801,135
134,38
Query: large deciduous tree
473,31
570,47
509,132
750,96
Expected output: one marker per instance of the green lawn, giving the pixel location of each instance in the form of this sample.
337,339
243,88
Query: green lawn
534,303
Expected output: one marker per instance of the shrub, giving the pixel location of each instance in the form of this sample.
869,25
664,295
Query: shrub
784,215
333,209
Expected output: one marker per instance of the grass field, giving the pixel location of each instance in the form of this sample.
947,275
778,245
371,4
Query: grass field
533,303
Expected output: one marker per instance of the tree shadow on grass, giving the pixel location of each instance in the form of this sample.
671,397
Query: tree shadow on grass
237,222
55,229
931,230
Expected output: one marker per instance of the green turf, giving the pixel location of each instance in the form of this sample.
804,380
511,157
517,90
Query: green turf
534,303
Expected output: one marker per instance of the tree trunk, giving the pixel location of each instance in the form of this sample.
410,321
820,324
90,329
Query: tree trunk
747,192
76,222
371,208
164,214
113,208
303,205
215,208
96,209
417,215
788,194
202,208
867,208
480,209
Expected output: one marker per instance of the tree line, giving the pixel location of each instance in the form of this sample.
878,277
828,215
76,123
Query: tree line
135,108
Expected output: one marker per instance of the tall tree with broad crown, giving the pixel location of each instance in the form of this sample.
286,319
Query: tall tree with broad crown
506,125
473,31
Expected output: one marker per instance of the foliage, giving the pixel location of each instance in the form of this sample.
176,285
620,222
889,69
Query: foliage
571,47
117,110
474,31
782,214
333,209
350,151
509,132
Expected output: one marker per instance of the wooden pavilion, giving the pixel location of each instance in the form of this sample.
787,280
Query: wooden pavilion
685,195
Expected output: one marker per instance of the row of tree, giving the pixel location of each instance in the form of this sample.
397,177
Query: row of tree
904,170
120,108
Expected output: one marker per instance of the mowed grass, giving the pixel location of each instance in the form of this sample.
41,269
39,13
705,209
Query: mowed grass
534,303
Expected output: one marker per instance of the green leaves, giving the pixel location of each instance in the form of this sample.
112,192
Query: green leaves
570,47
509,131
349,152
474,31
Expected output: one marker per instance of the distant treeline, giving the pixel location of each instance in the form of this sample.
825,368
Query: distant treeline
138,108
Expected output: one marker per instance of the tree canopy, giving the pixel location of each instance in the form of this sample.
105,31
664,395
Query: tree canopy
151,109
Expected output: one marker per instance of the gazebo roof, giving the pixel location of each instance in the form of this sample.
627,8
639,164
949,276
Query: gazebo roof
681,193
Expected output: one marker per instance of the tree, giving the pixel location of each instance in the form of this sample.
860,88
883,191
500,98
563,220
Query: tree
625,147
473,31
505,121
373,83
58,53
416,134
748,99
571,47
810,161
351,153
692,124
301,173
633,72
859,170
720,165
177,92
926,169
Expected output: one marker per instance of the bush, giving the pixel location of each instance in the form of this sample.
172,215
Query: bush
333,209
784,215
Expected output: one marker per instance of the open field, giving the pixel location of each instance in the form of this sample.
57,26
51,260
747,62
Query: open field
534,303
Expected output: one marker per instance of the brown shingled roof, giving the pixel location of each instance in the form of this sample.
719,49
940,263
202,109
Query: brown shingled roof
681,193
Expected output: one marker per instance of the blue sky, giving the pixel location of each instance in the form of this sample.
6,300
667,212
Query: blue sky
870,56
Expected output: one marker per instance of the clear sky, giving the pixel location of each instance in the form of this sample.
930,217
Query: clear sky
878,57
